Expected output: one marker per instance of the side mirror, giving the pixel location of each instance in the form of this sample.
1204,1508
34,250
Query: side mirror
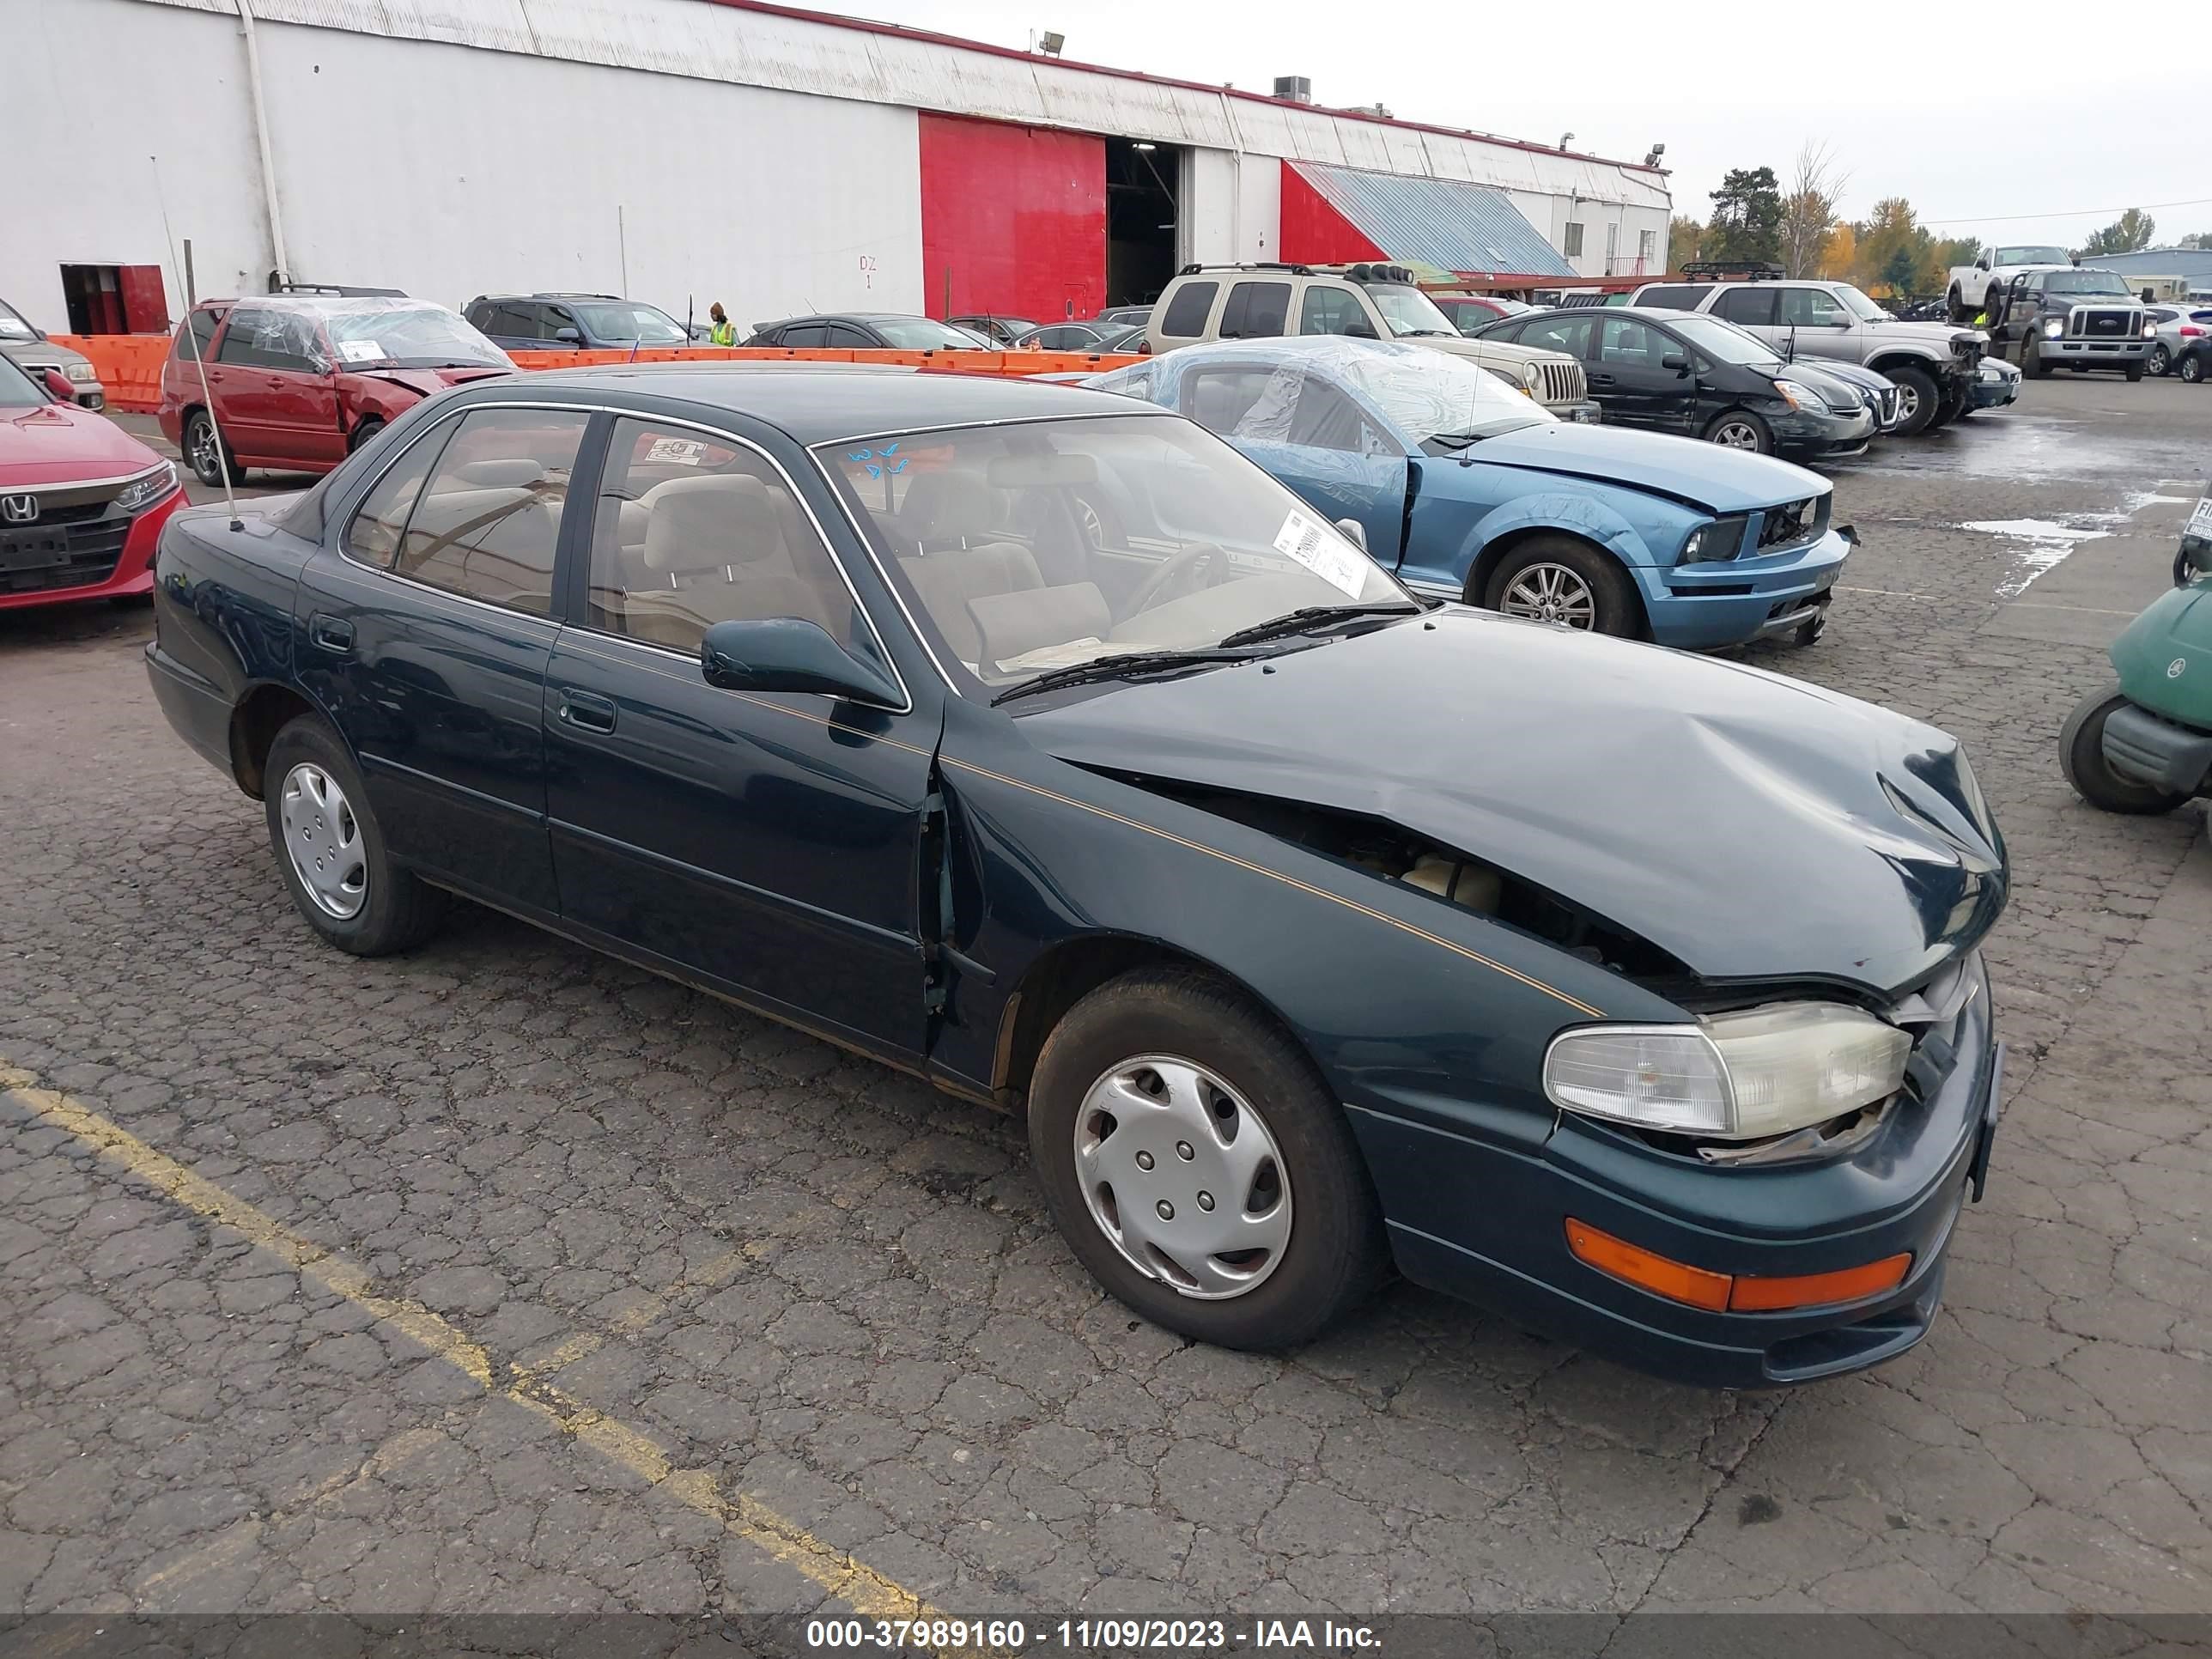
1982,263
574,336
58,386
785,654
1675,361
1355,530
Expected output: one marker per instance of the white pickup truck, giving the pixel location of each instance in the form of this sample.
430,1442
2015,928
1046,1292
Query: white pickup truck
1972,285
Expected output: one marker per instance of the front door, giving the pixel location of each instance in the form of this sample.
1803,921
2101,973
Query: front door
1645,375
768,845
1815,324
426,635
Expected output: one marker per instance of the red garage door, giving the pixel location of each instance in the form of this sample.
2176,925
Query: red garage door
1013,219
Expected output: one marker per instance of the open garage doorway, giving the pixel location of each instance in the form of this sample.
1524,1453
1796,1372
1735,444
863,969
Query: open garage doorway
1143,198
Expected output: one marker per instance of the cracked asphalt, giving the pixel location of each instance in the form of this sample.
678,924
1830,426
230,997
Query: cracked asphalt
505,1278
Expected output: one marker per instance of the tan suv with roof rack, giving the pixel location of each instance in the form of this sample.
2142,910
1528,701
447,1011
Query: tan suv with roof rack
1366,302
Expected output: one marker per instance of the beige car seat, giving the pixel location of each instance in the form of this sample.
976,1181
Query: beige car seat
960,554
714,550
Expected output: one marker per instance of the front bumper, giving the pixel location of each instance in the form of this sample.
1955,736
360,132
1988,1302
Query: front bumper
2147,749
2092,354
1699,607
1486,1221
1997,392
37,570
1821,434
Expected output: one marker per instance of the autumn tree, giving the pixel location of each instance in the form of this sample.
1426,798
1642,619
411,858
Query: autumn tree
1894,249
1685,235
2131,230
1747,222
1954,251
1839,255
1808,211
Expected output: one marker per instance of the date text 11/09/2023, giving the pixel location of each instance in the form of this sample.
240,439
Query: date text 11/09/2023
1012,1636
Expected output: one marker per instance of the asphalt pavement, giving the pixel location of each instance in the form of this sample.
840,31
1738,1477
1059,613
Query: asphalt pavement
504,1277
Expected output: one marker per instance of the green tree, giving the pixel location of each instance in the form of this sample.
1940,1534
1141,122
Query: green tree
2131,230
1747,222
1684,236
1957,251
1902,273
1896,251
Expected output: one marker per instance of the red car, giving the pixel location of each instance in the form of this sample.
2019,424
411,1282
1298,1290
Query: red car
82,502
299,384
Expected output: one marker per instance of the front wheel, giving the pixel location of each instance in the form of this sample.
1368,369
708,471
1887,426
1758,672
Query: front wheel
2081,758
2133,372
2161,359
1917,399
1739,429
331,851
1199,1168
2031,359
1566,583
361,434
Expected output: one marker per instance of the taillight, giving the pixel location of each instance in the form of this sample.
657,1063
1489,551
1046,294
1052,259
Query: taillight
2189,333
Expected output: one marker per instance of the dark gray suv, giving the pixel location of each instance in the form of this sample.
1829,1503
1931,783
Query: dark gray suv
555,322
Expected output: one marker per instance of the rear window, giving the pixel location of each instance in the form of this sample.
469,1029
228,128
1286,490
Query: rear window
1187,311
1255,311
1677,296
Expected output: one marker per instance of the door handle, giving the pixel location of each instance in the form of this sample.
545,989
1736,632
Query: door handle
330,634
1601,379
585,712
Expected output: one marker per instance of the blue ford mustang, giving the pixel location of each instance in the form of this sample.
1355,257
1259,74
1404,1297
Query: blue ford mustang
1315,929
1467,488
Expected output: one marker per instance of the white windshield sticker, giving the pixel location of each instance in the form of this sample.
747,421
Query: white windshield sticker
676,452
362,351
2199,521
1322,551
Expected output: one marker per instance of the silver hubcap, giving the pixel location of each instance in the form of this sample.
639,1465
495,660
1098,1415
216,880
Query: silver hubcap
1908,401
1551,593
1184,1176
1736,435
202,455
323,838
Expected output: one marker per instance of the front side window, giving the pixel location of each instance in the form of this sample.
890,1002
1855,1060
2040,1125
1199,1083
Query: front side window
1256,311
1813,308
623,321
1624,341
1025,547
1327,310
1187,312
488,521
1748,306
1408,312
259,337
695,529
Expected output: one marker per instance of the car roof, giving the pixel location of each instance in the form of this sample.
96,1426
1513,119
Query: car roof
821,402
352,305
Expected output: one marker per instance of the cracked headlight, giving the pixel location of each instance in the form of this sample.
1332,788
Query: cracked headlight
148,487
1721,540
1730,1076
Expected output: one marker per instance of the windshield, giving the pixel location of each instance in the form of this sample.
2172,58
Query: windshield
2084,282
1859,306
1407,310
1022,548
1723,342
924,334
2032,253
409,336
626,321
17,389
1427,395
13,324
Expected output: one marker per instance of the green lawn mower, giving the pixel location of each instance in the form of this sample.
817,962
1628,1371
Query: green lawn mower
2145,744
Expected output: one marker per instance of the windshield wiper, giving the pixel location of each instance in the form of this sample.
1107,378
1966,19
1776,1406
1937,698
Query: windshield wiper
1310,615
1108,668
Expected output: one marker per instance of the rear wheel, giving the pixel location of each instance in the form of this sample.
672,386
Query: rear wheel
1957,303
2082,758
331,853
2192,367
1566,583
206,452
1199,1168
1917,399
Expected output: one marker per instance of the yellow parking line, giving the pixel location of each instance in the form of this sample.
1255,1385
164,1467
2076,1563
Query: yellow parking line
866,1591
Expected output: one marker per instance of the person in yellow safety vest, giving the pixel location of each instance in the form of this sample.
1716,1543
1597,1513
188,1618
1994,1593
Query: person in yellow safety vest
724,332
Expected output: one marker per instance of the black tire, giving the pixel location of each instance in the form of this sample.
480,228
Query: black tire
1955,305
2191,368
1917,393
2081,758
399,911
2030,357
1336,1254
1730,420
361,434
1615,609
1946,412
2160,360
2133,372
200,442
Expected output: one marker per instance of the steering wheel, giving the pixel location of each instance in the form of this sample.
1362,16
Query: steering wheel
1177,567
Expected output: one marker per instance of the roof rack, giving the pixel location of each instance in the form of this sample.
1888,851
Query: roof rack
1193,268
1721,271
337,290
575,296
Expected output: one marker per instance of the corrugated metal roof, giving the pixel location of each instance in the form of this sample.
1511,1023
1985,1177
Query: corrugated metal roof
1437,223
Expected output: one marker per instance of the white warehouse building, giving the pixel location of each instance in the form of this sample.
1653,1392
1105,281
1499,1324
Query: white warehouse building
686,151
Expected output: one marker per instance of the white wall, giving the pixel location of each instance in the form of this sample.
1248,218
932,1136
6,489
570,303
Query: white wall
449,171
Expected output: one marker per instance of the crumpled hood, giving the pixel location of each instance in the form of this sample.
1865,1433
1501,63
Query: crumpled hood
1717,479
1755,827
63,443
426,381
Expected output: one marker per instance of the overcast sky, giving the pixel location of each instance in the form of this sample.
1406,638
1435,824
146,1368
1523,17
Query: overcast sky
1975,139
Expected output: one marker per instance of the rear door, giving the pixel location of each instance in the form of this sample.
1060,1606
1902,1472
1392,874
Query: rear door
1754,307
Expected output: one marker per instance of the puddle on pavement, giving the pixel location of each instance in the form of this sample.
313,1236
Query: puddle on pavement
2040,544
2036,449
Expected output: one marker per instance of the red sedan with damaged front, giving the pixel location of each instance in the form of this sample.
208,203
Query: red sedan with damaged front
82,502
296,384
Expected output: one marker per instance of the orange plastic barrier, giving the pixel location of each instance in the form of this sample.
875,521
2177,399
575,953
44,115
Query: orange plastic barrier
129,365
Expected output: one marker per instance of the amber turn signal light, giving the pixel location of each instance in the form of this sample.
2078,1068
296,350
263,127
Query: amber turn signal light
1699,1287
